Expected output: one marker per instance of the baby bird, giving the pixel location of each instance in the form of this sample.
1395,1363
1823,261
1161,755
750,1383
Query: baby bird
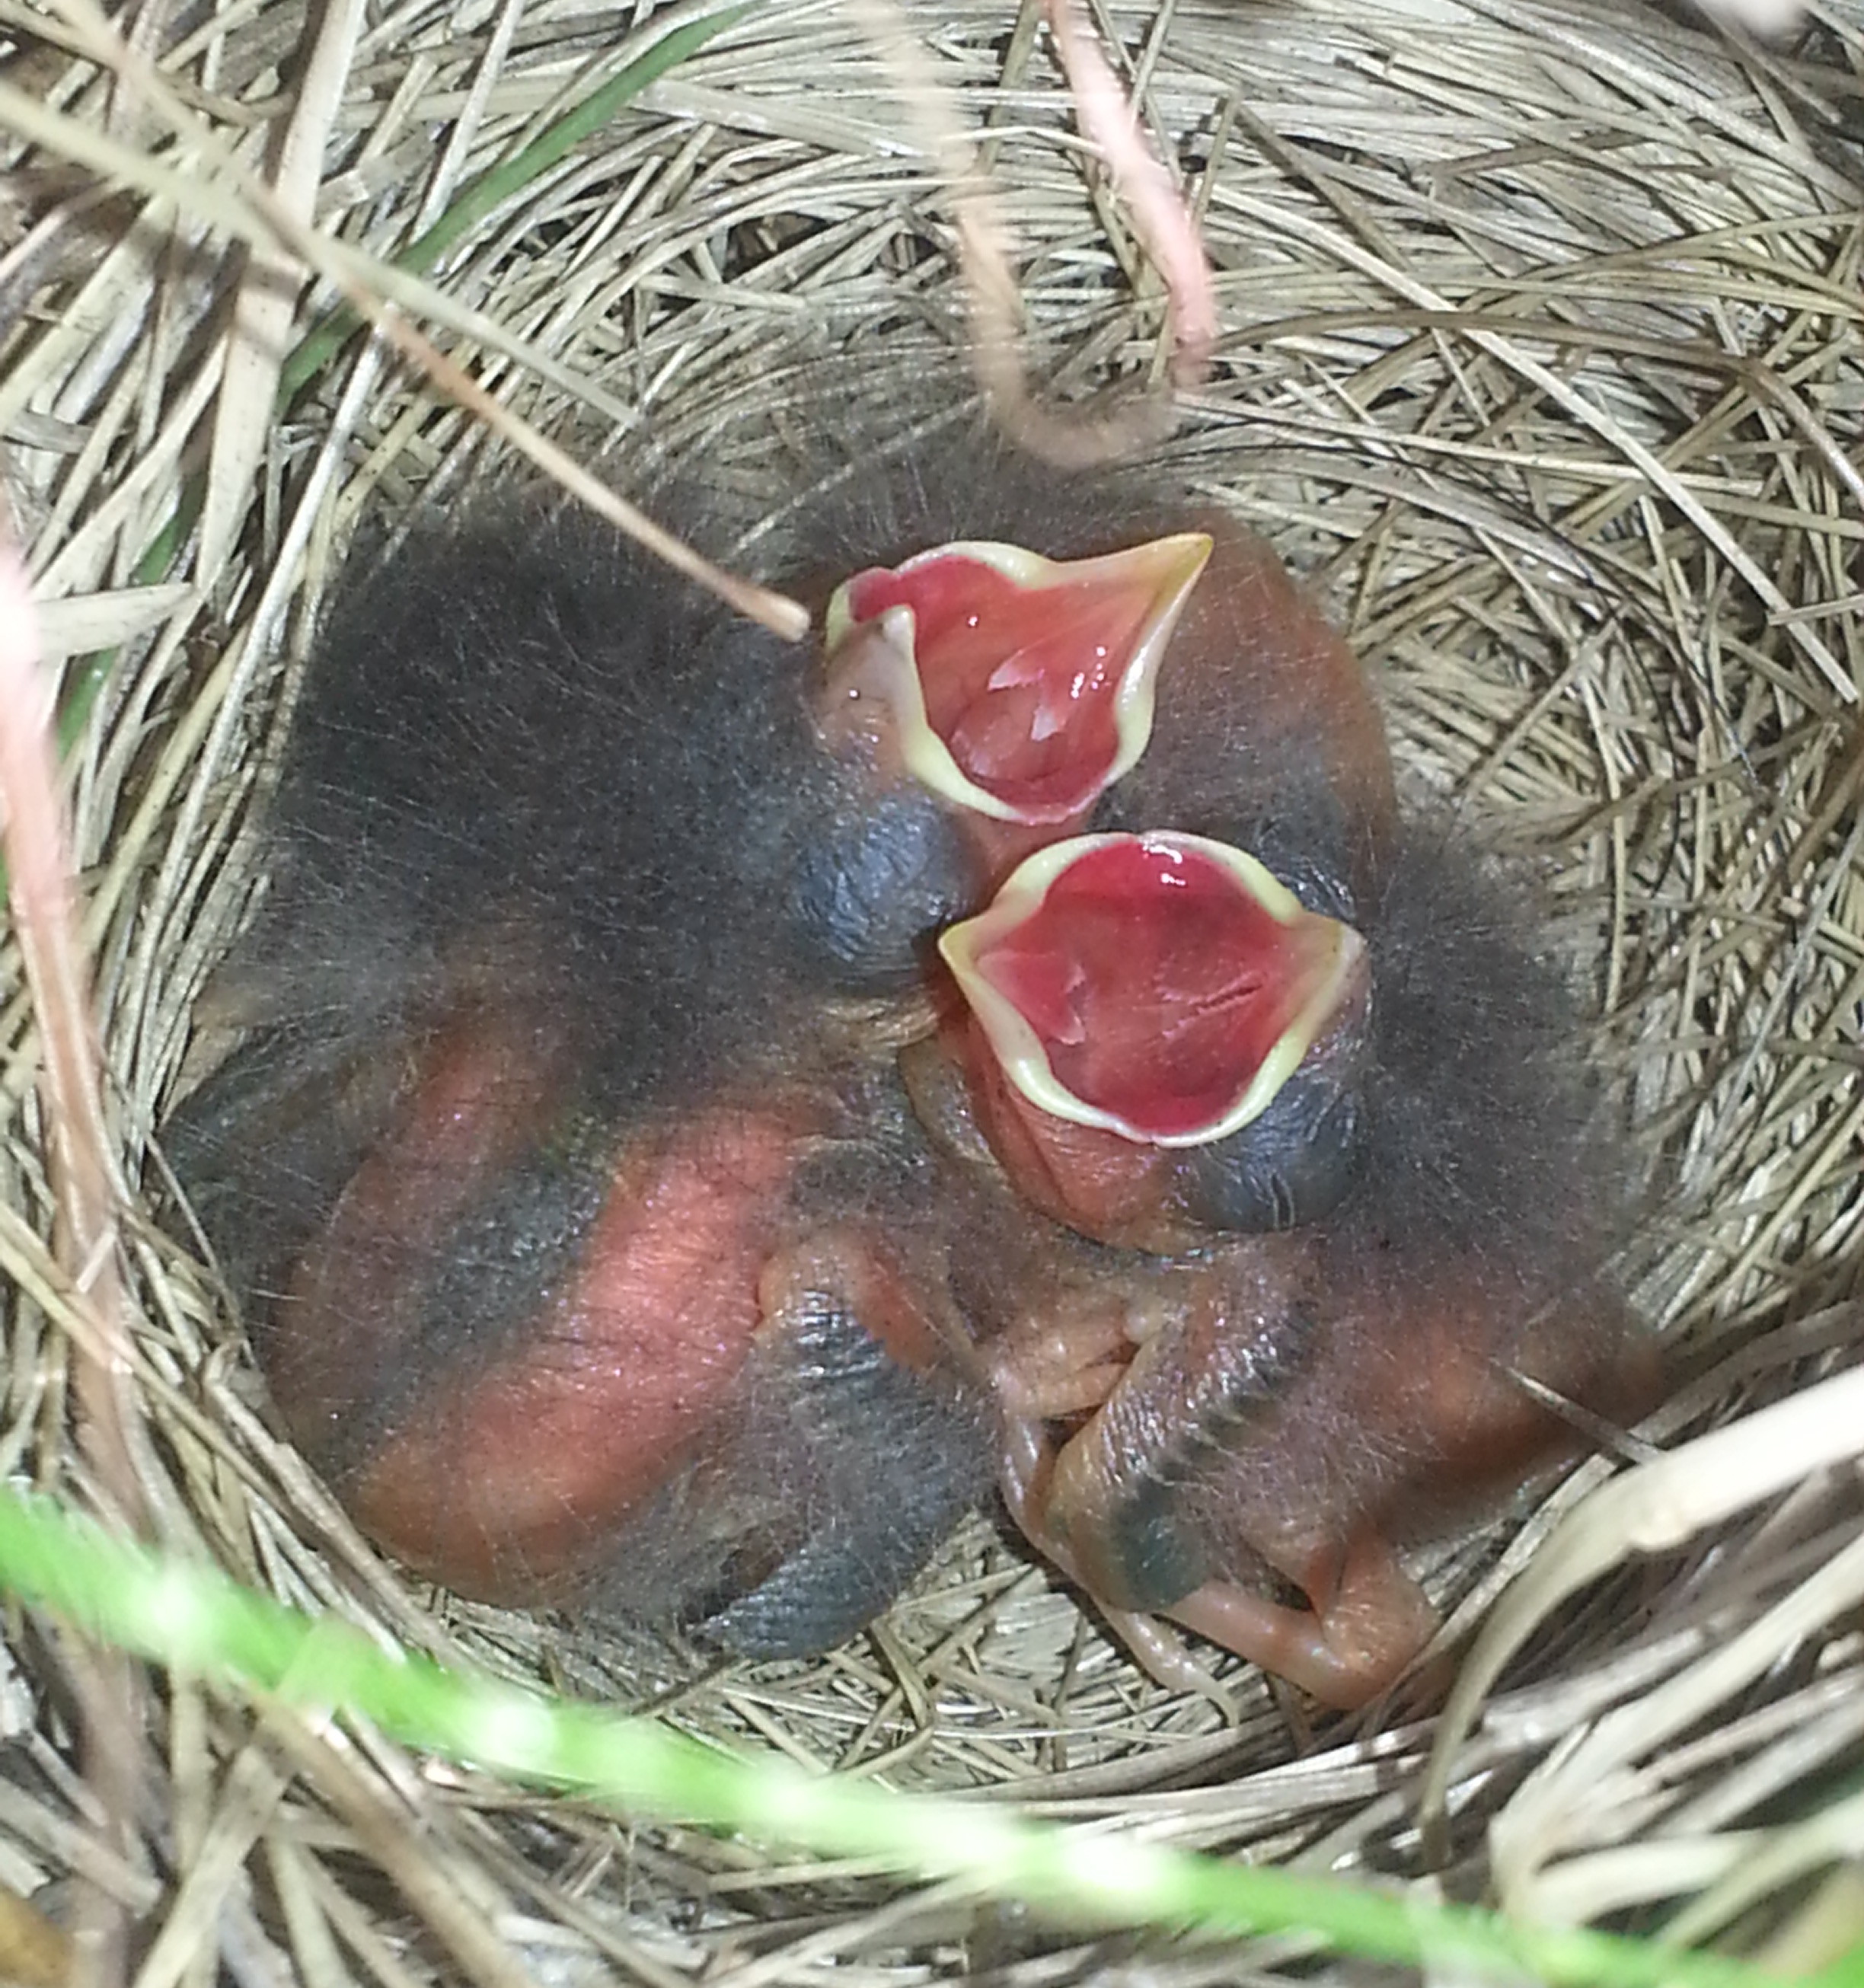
589,1247
1292,1053
1193,1432
707,1106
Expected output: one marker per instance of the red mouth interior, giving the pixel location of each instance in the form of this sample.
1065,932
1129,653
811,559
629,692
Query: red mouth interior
1156,984
1019,682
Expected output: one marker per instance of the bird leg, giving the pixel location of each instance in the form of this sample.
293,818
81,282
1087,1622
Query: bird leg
1118,1408
1042,1372
1369,1620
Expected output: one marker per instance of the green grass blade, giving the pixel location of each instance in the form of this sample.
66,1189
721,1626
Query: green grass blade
196,1619
500,183
85,676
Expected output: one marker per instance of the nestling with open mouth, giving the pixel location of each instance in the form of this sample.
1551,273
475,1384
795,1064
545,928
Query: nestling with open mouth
705,1107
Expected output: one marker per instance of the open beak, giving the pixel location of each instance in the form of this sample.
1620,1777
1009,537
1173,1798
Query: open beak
1160,987
1018,686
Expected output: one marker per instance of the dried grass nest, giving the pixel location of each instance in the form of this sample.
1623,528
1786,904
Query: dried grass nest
1541,360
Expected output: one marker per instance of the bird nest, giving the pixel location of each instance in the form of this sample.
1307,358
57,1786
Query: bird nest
1539,359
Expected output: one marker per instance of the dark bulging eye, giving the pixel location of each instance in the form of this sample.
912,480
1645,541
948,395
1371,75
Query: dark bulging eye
873,886
1294,1163
1309,853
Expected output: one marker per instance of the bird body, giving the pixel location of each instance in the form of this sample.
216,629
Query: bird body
631,1215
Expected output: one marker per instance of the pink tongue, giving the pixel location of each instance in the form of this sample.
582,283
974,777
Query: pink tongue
1156,984
1019,682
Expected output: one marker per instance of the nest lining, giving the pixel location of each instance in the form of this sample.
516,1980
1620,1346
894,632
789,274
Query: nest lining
1529,382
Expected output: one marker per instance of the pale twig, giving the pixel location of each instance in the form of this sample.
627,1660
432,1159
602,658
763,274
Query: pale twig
269,285
1656,1506
992,293
1759,17
266,221
78,1147
1164,223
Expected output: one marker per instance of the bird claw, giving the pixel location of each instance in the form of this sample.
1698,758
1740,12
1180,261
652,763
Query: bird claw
1375,1625
1146,1414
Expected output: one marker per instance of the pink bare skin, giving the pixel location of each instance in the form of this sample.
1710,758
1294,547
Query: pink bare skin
1182,1436
506,1447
